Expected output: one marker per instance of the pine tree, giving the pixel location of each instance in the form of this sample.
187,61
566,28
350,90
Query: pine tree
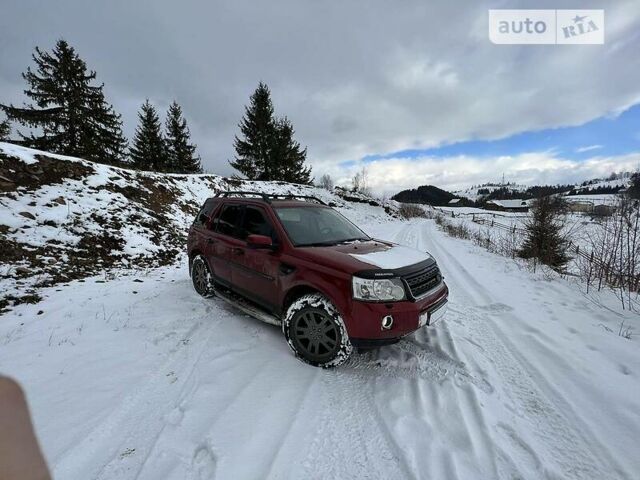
258,130
5,130
181,155
287,156
544,240
69,115
267,150
148,151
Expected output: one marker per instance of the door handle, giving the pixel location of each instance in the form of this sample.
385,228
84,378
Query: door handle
237,251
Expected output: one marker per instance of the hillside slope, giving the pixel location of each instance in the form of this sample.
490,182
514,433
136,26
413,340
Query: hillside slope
63,218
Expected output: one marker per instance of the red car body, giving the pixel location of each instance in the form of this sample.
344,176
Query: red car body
273,278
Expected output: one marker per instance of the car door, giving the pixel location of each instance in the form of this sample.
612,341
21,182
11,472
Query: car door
255,270
223,240
200,228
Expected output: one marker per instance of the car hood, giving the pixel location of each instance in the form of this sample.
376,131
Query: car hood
366,255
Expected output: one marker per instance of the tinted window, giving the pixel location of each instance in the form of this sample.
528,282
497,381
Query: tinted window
256,223
227,222
317,226
204,213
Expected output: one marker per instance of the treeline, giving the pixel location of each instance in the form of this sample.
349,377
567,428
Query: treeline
67,113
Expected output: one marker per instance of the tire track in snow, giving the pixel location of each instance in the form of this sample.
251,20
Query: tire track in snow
136,419
350,440
537,403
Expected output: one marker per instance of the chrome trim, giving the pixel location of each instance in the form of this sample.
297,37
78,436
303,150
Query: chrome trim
429,292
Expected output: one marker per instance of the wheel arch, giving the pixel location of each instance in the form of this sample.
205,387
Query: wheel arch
193,254
296,292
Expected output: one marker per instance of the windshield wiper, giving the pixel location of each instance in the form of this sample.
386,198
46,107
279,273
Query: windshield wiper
332,242
317,244
353,240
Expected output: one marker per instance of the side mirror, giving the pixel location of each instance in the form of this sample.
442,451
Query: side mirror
203,218
259,241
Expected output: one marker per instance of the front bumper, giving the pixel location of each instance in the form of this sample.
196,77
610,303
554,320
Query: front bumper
364,319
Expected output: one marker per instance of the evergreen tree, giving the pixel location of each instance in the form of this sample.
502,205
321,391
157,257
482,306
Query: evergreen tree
5,130
258,130
69,115
181,155
148,151
543,239
267,150
287,156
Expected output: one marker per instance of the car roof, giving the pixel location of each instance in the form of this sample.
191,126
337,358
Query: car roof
284,203
296,203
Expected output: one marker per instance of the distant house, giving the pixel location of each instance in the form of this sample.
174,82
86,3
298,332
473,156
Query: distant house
599,205
580,207
455,202
507,205
603,210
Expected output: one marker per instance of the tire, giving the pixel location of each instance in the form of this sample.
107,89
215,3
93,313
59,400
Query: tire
316,332
201,277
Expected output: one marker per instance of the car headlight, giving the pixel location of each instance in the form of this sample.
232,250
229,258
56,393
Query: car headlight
378,290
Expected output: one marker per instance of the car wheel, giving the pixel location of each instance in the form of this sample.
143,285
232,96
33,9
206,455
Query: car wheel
315,332
201,277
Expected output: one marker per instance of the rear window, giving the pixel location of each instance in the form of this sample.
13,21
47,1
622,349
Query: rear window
256,223
228,221
205,212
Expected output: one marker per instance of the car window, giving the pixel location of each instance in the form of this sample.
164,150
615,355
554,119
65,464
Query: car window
204,213
228,220
308,226
256,223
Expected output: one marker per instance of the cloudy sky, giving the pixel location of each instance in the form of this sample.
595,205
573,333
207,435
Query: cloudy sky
413,90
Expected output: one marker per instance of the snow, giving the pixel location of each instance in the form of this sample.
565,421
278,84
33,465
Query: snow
397,256
129,374
513,203
598,199
138,377
28,155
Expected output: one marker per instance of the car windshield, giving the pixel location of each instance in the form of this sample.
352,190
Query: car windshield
317,226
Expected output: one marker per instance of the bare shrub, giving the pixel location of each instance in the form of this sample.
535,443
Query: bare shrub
615,253
411,210
326,182
360,182
457,230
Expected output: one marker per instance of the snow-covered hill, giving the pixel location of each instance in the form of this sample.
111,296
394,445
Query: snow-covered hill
476,192
63,218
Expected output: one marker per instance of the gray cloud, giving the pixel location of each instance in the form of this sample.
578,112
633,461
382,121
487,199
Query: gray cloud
356,78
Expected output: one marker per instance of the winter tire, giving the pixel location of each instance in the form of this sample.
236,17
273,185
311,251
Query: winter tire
201,277
315,332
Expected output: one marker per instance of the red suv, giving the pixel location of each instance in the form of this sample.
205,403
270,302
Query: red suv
295,262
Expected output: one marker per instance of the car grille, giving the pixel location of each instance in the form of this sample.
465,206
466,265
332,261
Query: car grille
423,280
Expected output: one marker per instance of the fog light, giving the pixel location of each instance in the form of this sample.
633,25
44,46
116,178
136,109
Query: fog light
387,322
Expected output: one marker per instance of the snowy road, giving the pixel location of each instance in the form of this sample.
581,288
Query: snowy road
522,380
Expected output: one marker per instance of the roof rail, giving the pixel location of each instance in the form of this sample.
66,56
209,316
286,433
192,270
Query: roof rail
268,197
